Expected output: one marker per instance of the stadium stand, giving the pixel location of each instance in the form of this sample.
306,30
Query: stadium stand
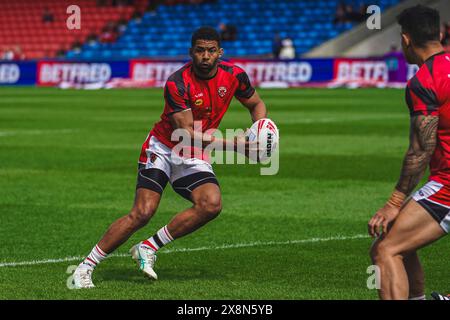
165,30
22,25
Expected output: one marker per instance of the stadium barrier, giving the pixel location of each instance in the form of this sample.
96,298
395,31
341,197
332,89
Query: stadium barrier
263,73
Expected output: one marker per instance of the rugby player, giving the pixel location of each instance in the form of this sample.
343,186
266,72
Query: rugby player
201,90
404,225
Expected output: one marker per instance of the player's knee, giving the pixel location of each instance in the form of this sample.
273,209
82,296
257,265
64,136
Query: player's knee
141,213
209,206
381,251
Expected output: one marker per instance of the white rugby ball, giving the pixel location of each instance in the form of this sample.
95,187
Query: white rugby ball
265,132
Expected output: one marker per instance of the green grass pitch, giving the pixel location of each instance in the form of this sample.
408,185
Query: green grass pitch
68,167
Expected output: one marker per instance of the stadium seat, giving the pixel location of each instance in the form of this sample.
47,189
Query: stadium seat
166,33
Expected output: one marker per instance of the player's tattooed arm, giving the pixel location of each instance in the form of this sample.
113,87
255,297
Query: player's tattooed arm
423,134
421,147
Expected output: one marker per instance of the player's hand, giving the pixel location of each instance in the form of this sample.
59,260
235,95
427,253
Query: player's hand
241,143
381,219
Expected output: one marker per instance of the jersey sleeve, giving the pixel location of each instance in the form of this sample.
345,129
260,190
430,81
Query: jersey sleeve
421,99
175,96
244,89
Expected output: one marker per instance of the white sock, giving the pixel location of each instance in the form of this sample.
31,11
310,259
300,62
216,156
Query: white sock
159,240
95,257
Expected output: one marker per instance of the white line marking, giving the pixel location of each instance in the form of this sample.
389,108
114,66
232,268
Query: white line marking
34,132
224,246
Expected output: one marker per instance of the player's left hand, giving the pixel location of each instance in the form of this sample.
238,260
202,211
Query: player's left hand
249,147
381,219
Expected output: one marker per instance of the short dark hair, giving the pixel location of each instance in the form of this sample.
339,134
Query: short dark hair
205,33
421,23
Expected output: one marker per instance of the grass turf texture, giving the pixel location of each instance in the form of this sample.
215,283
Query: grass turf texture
68,169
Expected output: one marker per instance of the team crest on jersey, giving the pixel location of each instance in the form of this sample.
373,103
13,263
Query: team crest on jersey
222,91
198,102
153,157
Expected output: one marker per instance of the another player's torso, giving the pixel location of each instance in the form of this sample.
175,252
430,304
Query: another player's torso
208,100
434,79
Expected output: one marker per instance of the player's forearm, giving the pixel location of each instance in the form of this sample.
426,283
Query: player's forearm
195,138
421,148
259,111
218,143
230,145
414,166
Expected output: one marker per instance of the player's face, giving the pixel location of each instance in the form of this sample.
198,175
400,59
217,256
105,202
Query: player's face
205,54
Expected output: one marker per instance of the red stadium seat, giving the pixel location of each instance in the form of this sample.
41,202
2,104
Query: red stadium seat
21,24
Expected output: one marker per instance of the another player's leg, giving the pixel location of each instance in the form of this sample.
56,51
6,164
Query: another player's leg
414,271
206,199
416,279
414,228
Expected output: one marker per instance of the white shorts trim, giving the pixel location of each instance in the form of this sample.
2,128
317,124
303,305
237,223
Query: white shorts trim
429,189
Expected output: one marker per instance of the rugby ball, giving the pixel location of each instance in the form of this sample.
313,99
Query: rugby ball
265,132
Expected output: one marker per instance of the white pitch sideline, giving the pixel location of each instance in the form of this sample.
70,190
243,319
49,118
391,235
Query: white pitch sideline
221,247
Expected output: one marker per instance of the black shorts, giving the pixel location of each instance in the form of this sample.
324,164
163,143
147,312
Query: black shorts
156,180
433,197
158,166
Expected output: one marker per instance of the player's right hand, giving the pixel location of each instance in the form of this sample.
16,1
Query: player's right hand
381,220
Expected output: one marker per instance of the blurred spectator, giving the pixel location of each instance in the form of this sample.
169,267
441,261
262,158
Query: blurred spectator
227,32
109,32
92,38
136,16
345,13
350,14
18,53
152,6
287,49
276,45
61,53
76,46
14,53
47,16
363,15
7,54
122,24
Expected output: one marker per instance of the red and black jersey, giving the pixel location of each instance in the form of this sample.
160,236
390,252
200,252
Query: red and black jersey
207,98
428,93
